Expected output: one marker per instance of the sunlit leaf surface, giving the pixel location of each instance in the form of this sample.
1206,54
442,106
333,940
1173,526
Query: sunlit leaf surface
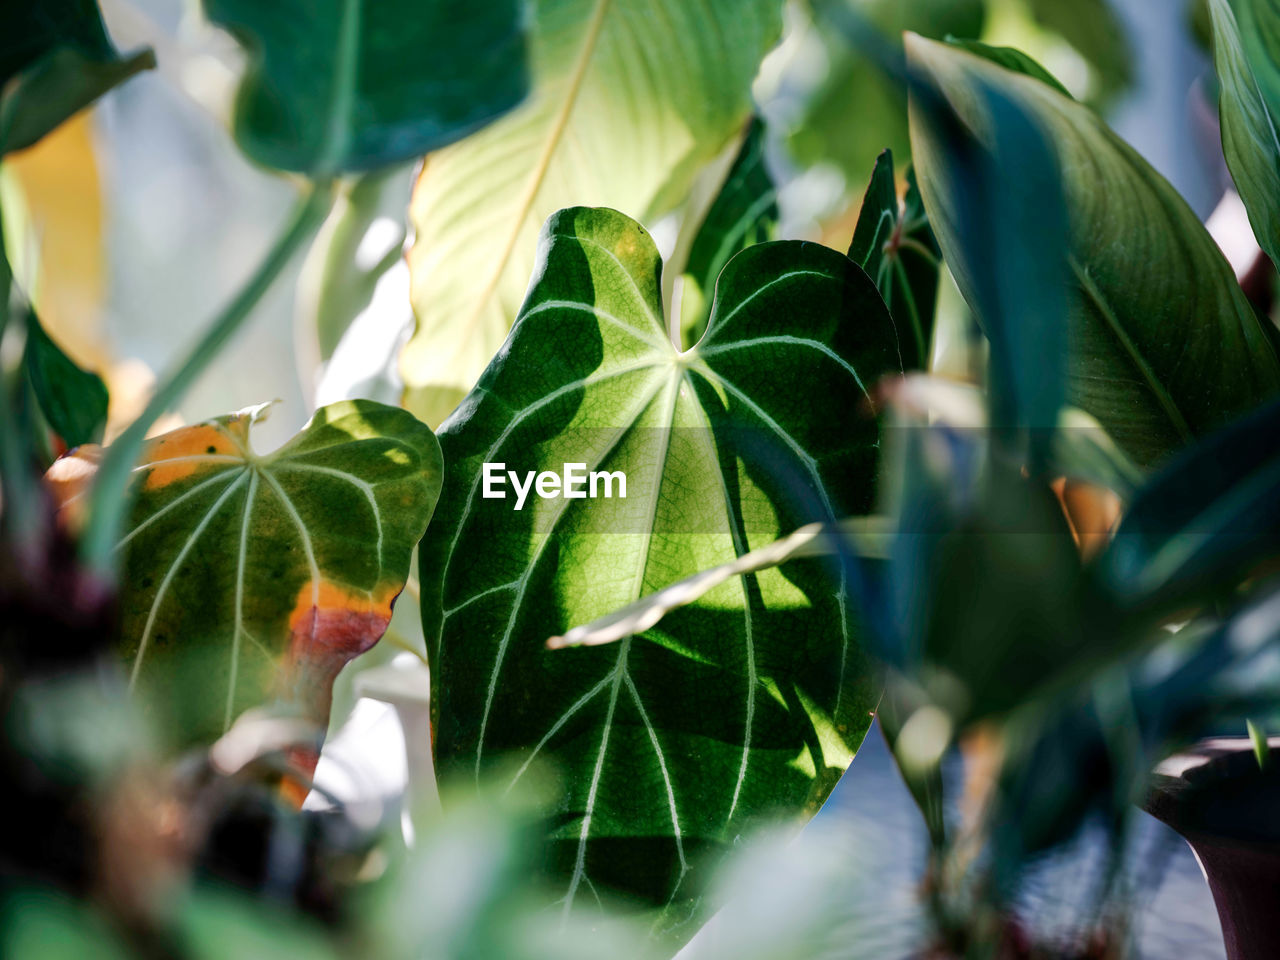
747,702
631,98
249,578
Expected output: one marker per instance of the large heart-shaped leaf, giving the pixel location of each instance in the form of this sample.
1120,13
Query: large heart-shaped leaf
348,85
1245,52
749,701
55,59
250,578
631,98
1163,344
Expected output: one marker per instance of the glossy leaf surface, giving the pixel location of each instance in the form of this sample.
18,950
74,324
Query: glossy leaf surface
1163,345
351,85
255,578
1246,42
631,99
892,242
747,702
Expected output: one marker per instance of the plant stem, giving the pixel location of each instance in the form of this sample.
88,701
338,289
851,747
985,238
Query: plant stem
110,499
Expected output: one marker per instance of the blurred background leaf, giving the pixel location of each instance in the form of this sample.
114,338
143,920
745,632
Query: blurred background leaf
353,86
596,131
55,59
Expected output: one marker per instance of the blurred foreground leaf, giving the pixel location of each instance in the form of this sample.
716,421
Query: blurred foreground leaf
631,99
350,85
750,701
250,578
1163,345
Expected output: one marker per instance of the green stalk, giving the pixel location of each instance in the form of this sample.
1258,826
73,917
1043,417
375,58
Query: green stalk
110,498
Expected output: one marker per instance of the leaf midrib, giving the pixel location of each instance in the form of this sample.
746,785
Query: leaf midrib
1153,382
543,165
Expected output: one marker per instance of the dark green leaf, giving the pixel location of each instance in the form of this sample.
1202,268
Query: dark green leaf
73,401
352,85
1249,108
745,212
1203,522
894,245
1001,190
55,59
57,87
250,578
1163,345
747,702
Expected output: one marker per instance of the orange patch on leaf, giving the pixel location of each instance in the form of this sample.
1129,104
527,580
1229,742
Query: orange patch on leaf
181,453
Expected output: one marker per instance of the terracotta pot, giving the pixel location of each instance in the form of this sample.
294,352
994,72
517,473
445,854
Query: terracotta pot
1228,810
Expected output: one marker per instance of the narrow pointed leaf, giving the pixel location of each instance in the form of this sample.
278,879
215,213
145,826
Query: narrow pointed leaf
349,85
631,98
747,702
745,212
55,60
1203,522
73,401
892,242
1249,108
1163,345
255,578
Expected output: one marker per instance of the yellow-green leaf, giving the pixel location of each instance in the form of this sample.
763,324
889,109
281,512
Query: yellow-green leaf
630,99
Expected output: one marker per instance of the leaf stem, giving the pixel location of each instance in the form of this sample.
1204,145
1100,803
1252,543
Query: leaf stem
110,500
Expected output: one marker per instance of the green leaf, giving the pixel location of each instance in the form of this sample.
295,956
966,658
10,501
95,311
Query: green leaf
865,535
1201,524
350,85
744,213
73,401
631,99
1261,750
1249,109
1163,345
1003,191
892,242
55,60
748,702
1010,58
250,578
